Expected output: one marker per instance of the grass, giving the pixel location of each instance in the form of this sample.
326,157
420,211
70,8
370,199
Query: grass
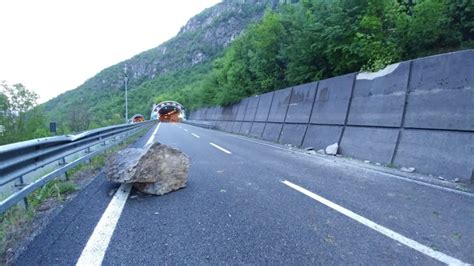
17,222
391,165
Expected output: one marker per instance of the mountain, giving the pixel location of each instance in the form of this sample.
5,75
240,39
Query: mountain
172,65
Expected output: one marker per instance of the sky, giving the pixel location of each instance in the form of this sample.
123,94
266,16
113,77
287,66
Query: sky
52,46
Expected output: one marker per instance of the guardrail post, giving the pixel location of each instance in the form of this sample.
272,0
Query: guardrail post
62,162
19,185
88,150
103,145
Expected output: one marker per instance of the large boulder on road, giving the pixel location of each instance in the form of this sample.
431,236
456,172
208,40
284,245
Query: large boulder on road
156,169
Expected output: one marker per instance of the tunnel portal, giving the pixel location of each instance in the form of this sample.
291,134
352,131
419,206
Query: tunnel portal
168,111
138,118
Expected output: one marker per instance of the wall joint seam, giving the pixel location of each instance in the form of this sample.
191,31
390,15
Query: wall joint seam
254,115
286,114
310,114
402,122
346,119
268,115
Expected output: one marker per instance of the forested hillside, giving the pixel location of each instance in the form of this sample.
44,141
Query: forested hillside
316,39
182,60
214,61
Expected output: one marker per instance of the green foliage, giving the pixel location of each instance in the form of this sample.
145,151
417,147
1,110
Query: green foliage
20,118
316,39
293,43
56,189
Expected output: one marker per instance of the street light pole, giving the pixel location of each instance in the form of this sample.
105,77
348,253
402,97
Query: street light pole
126,92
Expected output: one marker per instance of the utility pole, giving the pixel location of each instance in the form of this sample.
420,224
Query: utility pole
126,96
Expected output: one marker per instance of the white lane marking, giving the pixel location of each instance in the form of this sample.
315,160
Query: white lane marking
152,137
186,130
383,230
93,253
331,160
195,135
220,148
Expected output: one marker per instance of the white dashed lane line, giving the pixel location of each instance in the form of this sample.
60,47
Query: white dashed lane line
195,135
379,228
220,148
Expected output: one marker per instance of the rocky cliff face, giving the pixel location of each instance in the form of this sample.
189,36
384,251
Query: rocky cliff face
200,40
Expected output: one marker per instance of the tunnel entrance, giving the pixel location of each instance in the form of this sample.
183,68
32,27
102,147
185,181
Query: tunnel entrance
138,118
168,111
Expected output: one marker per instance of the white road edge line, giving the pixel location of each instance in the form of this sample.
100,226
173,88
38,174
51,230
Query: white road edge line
220,148
94,251
383,230
439,187
152,137
195,135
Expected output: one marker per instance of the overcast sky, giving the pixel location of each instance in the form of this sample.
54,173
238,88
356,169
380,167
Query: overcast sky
52,46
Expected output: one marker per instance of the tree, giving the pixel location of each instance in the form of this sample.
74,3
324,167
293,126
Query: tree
20,99
19,116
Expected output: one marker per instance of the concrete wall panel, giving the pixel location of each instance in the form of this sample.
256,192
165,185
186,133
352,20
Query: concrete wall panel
302,99
230,112
197,114
293,134
449,154
264,107
211,113
245,129
280,103
202,115
251,108
332,100
229,126
241,109
374,144
272,132
442,92
257,129
236,127
379,97
220,113
319,137
220,125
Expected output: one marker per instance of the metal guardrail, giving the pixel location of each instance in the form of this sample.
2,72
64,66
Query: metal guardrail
28,157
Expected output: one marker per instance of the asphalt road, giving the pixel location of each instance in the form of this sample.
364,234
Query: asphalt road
237,210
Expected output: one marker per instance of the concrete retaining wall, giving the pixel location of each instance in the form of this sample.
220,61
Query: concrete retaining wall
417,113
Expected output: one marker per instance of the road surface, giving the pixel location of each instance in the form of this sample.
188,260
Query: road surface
252,202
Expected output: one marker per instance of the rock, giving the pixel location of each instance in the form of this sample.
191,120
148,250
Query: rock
366,161
311,152
321,151
378,164
332,149
456,180
156,169
309,149
408,170
112,192
441,178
